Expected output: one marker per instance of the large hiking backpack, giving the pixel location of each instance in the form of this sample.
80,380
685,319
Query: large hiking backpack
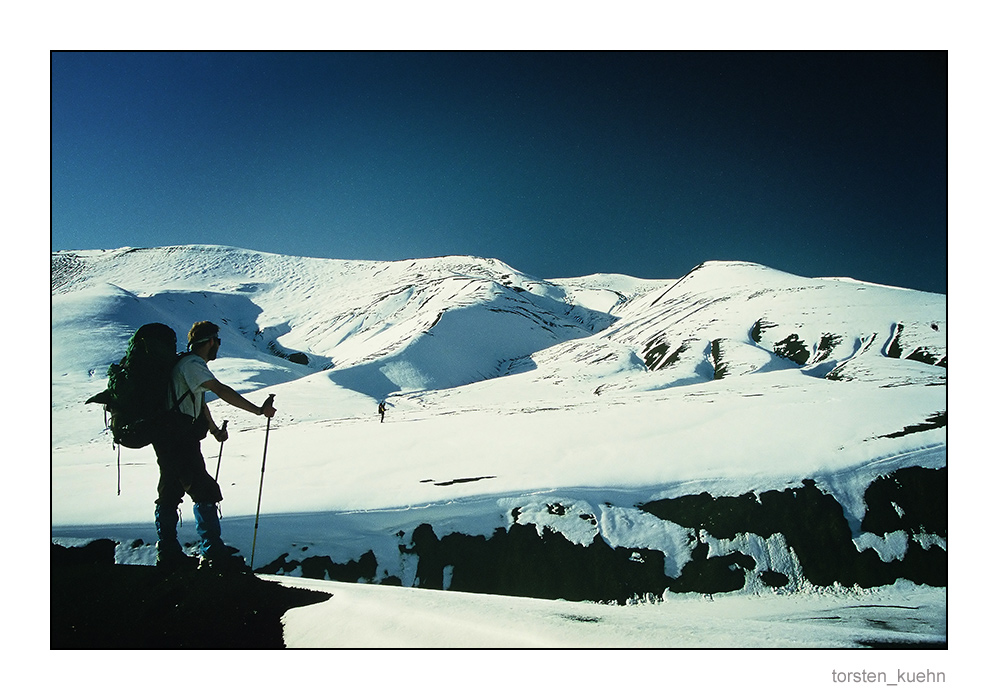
138,386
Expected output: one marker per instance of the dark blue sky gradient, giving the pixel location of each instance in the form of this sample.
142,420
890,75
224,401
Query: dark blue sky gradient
559,164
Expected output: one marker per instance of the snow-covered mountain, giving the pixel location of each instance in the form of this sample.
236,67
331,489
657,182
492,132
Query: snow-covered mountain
597,438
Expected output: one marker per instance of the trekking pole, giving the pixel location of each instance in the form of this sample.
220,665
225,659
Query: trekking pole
220,446
263,466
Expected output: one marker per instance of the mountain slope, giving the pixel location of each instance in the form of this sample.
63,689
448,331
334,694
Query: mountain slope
587,434
335,314
728,319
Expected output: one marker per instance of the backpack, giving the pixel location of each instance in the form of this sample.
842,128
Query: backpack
139,386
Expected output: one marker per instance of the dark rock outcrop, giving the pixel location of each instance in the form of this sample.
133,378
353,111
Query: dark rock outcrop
523,561
97,604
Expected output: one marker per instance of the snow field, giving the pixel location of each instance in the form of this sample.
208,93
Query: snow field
506,395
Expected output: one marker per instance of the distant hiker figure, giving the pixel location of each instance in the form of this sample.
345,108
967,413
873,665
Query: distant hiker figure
382,410
178,451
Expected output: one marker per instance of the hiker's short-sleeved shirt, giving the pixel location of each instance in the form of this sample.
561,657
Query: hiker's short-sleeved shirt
188,375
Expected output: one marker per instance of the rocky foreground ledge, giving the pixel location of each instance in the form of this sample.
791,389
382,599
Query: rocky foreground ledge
97,604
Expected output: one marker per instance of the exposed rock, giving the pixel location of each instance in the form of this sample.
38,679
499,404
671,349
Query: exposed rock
792,348
815,528
523,561
97,604
299,358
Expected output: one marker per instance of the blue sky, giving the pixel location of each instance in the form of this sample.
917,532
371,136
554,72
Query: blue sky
559,164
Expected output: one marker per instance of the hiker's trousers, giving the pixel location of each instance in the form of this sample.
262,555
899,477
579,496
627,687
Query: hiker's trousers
182,469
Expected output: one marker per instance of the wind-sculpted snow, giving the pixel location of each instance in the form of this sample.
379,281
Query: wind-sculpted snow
422,324
599,437
726,319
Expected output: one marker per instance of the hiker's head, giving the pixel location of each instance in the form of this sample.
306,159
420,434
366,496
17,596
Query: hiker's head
204,336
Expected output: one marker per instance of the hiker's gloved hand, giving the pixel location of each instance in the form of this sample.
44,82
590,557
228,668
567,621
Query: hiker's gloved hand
220,434
267,409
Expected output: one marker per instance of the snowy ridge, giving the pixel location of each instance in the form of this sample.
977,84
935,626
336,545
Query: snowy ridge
522,409
342,313
753,318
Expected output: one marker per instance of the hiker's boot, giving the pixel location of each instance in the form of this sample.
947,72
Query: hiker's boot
215,554
169,554
227,562
225,558
172,558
